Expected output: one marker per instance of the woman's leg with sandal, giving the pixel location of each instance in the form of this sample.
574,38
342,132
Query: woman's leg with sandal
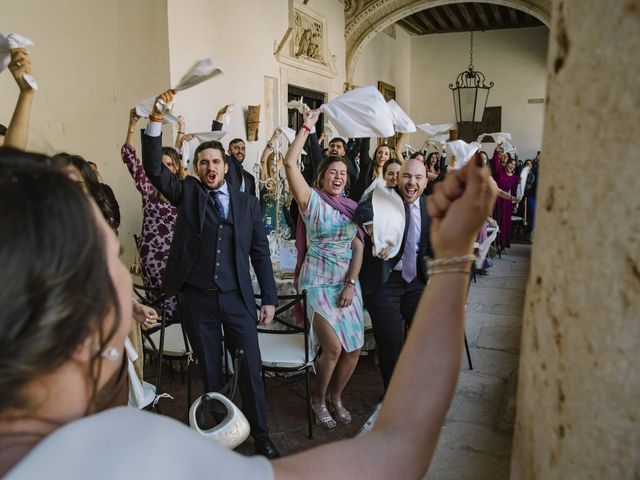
341,375
326,364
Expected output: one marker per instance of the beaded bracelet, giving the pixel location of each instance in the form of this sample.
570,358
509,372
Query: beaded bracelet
431,273
436,262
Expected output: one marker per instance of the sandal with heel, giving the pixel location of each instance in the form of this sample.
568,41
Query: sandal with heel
322,415
338,410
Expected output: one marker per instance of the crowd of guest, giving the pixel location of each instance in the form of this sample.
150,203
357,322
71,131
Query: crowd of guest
203,230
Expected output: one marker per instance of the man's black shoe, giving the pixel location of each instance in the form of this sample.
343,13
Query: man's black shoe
266,448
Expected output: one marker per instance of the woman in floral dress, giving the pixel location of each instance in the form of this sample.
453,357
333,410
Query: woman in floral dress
158,215
332,245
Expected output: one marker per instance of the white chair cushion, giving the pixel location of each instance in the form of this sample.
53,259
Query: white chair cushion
285,351
173,341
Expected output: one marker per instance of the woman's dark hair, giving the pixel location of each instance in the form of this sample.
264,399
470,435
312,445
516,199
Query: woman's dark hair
56,288
427,160
324,166
3,130
388,163
173,154
94,187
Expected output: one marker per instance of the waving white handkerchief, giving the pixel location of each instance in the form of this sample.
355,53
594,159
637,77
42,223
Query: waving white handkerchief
201,71
10,42
145,107
296,105
208,136
388,220
433,130
226,117
359,113
498,137
523,181
185,153
409,149
438,140
462,150
401,121
508,148
290,135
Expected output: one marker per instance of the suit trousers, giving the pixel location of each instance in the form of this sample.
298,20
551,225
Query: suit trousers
392,307
204,314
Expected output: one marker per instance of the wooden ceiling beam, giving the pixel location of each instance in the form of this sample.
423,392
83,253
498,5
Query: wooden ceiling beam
467,16
496,14
435,13
430,27
483,16
411,29
414,23
453,17
513,16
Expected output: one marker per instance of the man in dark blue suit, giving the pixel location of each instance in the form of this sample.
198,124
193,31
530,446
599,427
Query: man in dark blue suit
391,287
218,229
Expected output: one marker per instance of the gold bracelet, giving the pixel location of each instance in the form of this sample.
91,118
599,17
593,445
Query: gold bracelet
431,273
132,131
436,262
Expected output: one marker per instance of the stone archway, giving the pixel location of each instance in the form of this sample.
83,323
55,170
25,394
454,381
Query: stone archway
366,18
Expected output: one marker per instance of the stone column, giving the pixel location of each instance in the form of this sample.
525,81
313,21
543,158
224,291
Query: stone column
579,390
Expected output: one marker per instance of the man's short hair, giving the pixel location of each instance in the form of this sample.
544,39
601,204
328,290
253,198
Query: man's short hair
3,130
234,141
214,144
338,139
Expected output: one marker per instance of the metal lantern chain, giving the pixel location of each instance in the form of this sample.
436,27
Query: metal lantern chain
470,92
471,53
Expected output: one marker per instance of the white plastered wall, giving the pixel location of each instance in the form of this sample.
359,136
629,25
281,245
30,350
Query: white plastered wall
93,60
241,37
515,60
389,60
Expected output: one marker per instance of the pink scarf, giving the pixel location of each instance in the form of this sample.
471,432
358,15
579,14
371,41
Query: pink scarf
344,205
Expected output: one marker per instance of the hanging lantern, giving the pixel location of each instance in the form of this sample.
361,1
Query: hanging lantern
470,93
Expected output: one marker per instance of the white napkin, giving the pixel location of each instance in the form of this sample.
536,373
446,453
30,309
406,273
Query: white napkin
433,130
508,148
226,116
409,149
201,71
388,219
290,135
296,105
10,42
360,113
208,136
523,181
134,382
401,121
145,107
185,154
188,148
462,150
438,140
498,137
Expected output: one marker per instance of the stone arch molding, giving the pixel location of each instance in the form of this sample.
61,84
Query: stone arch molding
364,19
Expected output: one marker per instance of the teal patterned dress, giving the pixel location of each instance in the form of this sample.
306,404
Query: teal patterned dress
324,271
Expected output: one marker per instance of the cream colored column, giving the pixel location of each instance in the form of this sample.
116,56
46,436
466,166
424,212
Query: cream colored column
579,393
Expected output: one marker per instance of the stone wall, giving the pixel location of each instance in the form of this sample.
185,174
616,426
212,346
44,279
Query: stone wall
578,414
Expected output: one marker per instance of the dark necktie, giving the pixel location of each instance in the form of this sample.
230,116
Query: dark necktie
218,204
